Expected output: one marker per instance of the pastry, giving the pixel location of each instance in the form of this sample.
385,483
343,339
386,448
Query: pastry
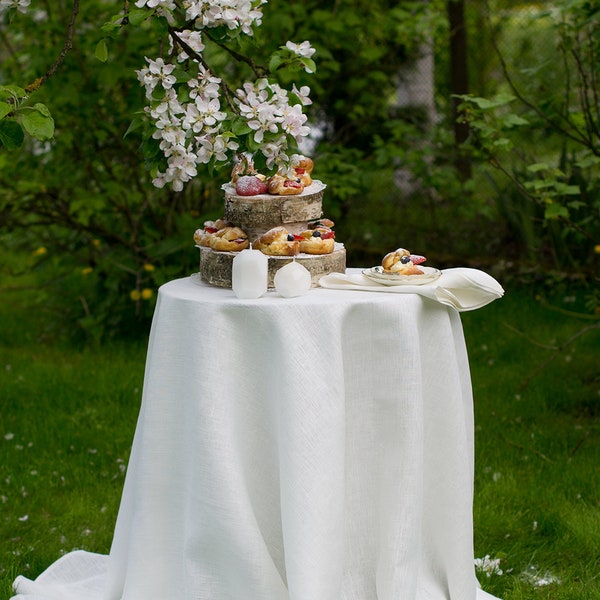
317,241
282,186
402,262
302,167
277,242
321,223
229,239
204,236
251,185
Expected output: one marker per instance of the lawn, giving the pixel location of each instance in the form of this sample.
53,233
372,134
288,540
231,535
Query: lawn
68,415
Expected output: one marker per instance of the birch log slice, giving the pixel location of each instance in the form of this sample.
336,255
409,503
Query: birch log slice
257,214
215,267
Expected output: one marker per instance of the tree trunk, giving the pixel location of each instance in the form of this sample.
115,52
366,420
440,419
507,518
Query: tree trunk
459,78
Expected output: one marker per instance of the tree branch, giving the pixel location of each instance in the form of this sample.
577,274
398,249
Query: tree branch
566,127
32,87
227,91
258,70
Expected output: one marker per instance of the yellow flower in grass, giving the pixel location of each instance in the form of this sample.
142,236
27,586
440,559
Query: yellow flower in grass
86,270
135,295
40,251
96,243
148,267
147,293
597,248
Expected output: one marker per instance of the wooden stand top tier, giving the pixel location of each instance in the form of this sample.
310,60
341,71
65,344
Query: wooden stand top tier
257,214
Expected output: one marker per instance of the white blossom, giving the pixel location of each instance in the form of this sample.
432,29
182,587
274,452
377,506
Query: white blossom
302,94
160,4
274,152
293,122
489,566
234,14
205,85
193,39
214,147
20,5
191,118
303,49
157,72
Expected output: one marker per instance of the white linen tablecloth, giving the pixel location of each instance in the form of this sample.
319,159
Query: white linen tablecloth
314,448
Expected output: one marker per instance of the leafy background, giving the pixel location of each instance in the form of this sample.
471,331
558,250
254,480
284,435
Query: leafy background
101,238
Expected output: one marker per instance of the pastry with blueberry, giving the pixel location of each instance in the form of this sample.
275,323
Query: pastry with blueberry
277,242
402,262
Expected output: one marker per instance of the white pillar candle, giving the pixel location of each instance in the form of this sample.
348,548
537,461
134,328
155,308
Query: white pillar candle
292,280
250,274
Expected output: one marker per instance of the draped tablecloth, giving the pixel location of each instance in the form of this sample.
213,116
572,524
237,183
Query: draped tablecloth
313,448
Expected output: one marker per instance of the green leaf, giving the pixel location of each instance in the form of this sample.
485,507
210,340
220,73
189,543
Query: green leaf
555,210
5,109
588,161
503,143
137,16
485,103
240,127
38,125
514,121
136,123
535,168
567,190
309,64
12,91
101,52
43,109
275,62
11,134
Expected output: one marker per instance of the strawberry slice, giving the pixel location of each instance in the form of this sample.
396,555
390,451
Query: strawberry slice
325,235
417,259
211,229
291,183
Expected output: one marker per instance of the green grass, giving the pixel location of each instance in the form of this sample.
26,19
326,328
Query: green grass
537,489
67,418
68,415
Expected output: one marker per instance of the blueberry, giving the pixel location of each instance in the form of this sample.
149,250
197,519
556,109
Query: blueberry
316,234
405,260
290,237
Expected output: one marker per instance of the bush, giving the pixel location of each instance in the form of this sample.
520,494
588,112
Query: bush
82,205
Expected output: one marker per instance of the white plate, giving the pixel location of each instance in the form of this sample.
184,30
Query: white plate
380,276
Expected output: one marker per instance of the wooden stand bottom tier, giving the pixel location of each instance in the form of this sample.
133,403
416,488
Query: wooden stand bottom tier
215,267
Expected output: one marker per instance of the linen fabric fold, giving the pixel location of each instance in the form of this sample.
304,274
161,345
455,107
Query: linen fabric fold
318,447
461,288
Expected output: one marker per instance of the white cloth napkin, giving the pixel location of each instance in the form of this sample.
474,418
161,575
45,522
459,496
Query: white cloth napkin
461,288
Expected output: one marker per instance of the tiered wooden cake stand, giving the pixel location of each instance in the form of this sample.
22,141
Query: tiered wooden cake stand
256,215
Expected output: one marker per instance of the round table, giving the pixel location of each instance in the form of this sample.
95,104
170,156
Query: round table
313,448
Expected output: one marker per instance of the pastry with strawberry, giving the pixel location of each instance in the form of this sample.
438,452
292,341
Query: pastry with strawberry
402,262
229,239
302,167
281,185
319,238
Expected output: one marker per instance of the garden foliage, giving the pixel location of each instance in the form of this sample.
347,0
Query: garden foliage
540,134
77,159
82,201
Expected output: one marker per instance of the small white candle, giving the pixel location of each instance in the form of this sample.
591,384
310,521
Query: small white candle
250,274
292,280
